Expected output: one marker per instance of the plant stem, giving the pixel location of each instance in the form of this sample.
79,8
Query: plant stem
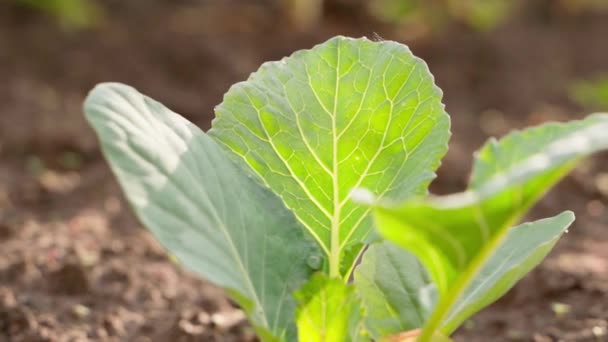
439,313
334,264
453,294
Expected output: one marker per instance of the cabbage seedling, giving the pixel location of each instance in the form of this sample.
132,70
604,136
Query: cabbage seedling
323,159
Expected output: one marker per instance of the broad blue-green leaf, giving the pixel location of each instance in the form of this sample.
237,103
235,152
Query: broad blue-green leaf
395,290
524,247
348,113
209,213
328,311
454,236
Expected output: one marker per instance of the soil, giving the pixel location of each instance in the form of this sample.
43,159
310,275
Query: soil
76,266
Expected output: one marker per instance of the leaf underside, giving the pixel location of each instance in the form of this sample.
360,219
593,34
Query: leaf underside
348,113
214,217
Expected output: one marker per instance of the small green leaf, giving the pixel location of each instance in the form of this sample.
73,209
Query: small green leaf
348,113
215,218
395,289
454,236
328,311
524,248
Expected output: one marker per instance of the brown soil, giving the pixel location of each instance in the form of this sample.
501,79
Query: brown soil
76,266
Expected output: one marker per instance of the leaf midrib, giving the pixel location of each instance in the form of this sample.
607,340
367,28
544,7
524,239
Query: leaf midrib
334,262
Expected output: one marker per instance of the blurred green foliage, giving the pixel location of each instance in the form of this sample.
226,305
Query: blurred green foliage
394,10
479,14
592,94
583,5
71,13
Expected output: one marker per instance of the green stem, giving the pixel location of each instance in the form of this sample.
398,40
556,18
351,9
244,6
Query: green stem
334,265
442,309
454,292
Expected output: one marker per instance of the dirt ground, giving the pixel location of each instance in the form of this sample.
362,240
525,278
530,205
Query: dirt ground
76,266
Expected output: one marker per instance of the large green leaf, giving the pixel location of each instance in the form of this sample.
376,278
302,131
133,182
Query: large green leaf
395,290
524,247
211,215
348,113
329,310
454,236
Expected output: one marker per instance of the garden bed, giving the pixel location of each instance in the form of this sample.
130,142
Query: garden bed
75,263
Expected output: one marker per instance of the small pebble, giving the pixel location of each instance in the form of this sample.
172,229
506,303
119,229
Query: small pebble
516,335
560,309
81,311
599,331
227,319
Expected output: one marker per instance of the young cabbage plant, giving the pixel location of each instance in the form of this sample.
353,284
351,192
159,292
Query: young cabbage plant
307,200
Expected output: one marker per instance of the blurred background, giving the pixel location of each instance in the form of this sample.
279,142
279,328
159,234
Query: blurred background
76,266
